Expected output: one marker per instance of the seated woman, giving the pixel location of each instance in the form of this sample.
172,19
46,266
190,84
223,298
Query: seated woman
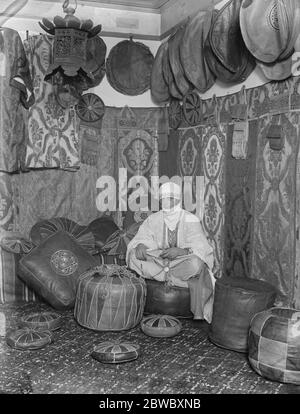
171,246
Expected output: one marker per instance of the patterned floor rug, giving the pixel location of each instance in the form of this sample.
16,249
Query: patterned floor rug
185,364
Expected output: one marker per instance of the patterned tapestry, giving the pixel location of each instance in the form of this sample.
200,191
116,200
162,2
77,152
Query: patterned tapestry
190,158
6,202
167,166
239,208
296,303
274,214
213,159
53,131
15,82
137,148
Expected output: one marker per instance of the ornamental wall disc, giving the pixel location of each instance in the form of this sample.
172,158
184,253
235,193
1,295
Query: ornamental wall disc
129,67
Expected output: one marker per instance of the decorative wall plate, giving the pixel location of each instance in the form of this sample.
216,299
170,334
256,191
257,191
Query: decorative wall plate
192,108
90,107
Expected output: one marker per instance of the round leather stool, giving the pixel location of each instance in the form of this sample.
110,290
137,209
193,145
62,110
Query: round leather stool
162,299
274,344
236,301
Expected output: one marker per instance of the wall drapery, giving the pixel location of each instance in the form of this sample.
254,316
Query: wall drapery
255,199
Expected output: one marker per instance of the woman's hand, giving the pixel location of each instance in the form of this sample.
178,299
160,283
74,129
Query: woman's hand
172,253
141,252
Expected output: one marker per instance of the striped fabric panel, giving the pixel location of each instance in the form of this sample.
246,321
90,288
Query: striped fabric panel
12,289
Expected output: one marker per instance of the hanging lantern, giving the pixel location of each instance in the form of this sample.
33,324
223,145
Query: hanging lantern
70,43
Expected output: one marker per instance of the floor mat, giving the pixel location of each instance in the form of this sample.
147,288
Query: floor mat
185,364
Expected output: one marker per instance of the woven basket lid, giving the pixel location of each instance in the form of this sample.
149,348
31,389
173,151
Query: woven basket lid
43,321
129,66
159,87
169,77
115,352
28,339
220,55
182,83
191,51
161,325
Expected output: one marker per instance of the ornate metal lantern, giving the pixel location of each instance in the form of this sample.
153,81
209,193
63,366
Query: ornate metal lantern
70,43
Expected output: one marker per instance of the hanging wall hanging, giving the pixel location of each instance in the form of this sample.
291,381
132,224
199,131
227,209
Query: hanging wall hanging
175,114
129,67
90,109
70,43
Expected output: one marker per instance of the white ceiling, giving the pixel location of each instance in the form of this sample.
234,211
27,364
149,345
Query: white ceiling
149,4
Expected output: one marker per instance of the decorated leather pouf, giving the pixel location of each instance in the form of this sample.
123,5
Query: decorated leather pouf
163,299
43,321
236,301
274,344
28,339
161,326
110,298
53,268
116,352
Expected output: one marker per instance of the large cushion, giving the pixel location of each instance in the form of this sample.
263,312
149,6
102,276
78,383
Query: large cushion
53,268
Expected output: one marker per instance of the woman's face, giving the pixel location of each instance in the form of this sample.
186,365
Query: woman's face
169,203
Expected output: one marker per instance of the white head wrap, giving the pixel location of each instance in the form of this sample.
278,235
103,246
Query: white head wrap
170,189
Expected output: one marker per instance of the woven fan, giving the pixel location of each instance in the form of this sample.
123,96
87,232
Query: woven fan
45,228
117,243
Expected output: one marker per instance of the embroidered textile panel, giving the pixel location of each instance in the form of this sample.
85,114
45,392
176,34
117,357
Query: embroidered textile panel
14,70
296,303
274,214
190,158
53,130
239,207
167,159
213,160
137,149
7,211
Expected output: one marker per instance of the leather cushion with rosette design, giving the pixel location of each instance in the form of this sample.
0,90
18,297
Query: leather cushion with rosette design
53,269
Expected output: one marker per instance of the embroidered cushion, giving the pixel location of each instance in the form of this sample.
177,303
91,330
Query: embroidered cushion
42,321
27,339
53,268
116,352
161,326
